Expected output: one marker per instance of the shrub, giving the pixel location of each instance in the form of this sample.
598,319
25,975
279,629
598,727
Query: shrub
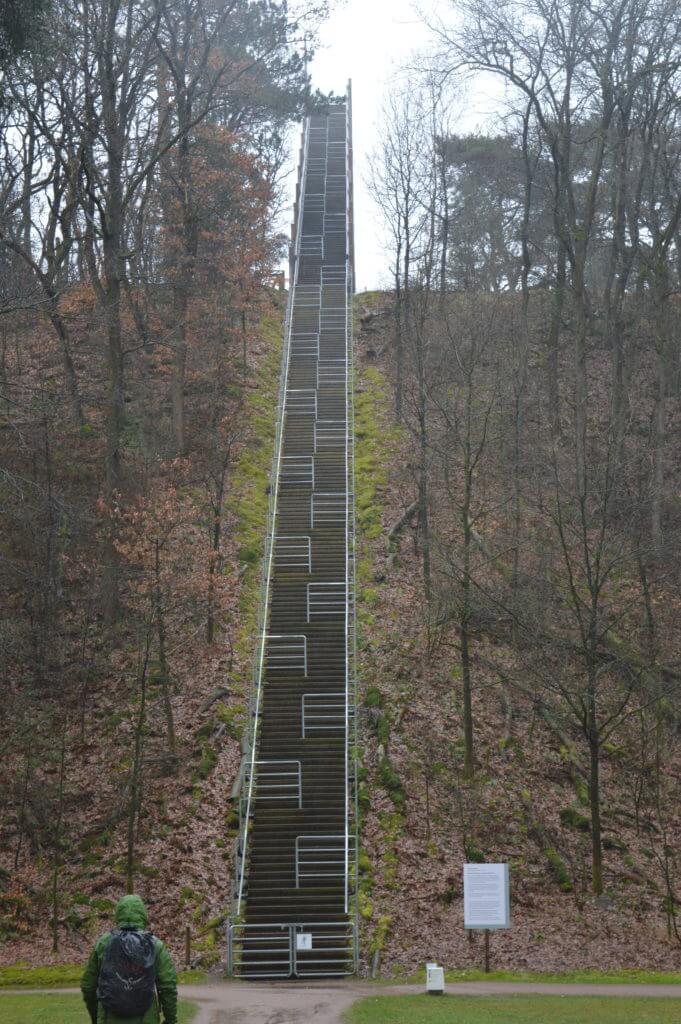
208,761
391,782
474,854
373,698
560,871
571,818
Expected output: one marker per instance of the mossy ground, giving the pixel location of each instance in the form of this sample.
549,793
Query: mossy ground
375,435
377,440
249,499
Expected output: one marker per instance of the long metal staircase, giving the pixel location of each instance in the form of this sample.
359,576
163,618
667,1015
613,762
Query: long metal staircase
294,907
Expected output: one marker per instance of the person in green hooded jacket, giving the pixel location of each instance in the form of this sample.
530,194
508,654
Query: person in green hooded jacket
132,913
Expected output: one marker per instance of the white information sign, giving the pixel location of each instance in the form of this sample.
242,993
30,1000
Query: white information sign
303,942
486,899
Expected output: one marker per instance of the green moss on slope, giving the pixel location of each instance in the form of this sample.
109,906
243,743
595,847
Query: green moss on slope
249,498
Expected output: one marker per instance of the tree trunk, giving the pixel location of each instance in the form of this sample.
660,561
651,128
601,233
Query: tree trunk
552,362
56,848
659,434
179,367
399,345
421,333
184,272
70,377
424,523
468,736
114,273
22,809
581,393
26,204
520,368
468,758
214,557
162,660
135,798
595,805
114,430
659,425
444,231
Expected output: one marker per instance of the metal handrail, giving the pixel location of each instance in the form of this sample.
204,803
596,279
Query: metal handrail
352,806
293,659
335,509
329,707
324,599
298,468
339,849
288,546
349,518
280,772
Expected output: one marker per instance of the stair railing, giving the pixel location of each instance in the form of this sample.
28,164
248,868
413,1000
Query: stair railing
352,796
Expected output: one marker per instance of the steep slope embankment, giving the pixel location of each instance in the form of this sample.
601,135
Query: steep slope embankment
527,802
151,734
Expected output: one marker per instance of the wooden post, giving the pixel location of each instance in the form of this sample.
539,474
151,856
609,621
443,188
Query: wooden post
187,947
486,950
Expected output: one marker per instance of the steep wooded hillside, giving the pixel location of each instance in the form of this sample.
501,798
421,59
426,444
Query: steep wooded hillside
120,746
525,798
66,837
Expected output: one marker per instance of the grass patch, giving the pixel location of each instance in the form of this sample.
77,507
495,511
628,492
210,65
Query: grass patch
61,1009
426,1009
622,977
66,976
371,433
570,817
55,976
191,977
560,870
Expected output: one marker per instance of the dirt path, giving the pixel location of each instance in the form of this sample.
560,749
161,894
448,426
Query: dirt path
292,1003
325,1002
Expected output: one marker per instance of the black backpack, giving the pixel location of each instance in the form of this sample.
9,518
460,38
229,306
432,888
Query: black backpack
127,977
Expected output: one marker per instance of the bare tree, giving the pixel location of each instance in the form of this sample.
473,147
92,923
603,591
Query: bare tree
396,186
465,421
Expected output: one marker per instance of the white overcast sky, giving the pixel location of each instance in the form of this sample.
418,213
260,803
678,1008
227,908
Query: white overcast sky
368,41
373,42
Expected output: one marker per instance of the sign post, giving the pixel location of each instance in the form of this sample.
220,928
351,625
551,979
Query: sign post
486,900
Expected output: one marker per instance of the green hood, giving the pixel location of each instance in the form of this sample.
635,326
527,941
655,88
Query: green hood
131,913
